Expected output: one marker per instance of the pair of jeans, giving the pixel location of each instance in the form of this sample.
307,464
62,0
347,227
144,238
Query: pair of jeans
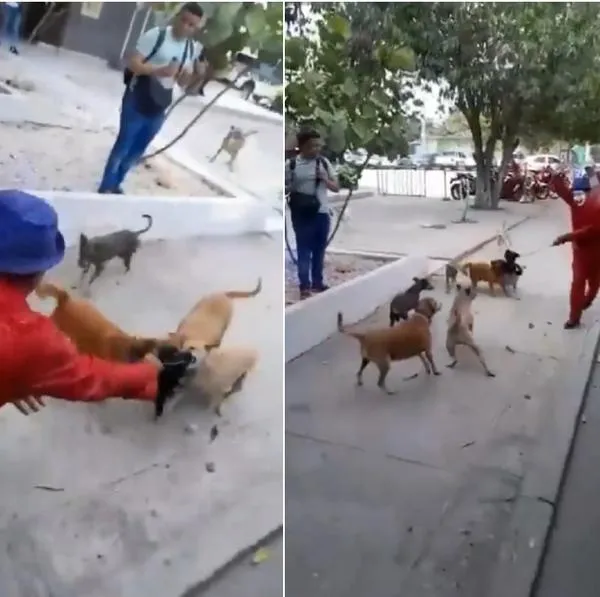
11,24
136,132
311,242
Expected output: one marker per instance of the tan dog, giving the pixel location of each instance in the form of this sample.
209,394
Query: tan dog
485,271
460,326
205,325
233,143
221,373
90,331
411,338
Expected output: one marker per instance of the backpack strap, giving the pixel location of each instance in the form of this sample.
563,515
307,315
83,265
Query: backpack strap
184,58
160,40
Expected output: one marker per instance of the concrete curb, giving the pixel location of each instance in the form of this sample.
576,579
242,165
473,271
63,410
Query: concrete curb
241,555
312,321
174,217
523,549
268,117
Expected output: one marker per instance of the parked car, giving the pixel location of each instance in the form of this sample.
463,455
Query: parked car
539,161
422,161
453,159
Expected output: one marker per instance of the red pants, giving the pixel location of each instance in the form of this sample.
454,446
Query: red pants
584,284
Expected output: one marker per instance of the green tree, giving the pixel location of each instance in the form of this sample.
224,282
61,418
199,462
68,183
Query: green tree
507,64
230,28
348,75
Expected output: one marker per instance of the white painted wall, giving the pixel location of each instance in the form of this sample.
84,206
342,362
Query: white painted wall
432,184
174,217
313,320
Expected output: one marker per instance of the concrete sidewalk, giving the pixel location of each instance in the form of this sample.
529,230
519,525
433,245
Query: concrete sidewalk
412,495
402,225
131,510
570,565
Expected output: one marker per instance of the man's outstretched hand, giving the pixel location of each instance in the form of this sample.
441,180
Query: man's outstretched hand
559,240
29,405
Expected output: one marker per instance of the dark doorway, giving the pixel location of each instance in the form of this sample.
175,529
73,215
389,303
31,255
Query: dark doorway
47,20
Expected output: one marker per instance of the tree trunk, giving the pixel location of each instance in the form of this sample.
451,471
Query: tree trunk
507,152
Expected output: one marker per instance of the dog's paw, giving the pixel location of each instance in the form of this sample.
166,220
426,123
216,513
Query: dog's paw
490,374
437,373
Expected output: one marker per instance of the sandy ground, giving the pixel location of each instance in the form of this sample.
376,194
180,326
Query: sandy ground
52,158
338,269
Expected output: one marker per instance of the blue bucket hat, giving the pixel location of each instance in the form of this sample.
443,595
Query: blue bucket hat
581,181
30,242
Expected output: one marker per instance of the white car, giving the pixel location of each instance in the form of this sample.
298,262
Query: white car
539,161
453,159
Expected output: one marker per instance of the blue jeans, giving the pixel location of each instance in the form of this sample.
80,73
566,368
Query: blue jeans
11,24
136,132
311,242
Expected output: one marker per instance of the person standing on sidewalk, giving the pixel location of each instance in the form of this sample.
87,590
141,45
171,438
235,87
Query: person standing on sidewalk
36,358
308,178
163,57
11,25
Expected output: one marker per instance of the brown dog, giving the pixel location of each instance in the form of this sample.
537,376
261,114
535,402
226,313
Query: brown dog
233,143
90,331
485,271
221,373
205,325
411,338
460,326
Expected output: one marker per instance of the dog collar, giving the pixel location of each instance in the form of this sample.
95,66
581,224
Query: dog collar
427,319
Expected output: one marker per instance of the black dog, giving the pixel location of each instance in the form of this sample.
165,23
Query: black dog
510,269
407,301
97,251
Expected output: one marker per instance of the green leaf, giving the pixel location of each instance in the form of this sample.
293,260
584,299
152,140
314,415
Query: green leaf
256,20
350,88
399,59
340,26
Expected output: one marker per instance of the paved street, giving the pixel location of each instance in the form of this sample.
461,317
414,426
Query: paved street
130,501
571,563
410,495
410,225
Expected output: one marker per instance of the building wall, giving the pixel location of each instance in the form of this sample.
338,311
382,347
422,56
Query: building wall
103,36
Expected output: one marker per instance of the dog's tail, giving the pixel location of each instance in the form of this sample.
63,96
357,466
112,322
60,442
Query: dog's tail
245,294
150,222
47,289
343,330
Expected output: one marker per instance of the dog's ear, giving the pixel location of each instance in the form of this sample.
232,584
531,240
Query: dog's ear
83,240
415,279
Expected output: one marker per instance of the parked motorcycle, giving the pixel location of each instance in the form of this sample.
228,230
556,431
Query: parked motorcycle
537,185
513,186
463,185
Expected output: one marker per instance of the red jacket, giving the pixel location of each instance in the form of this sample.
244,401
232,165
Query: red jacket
37,359
585,220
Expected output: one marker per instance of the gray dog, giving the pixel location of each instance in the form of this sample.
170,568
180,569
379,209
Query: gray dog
99,250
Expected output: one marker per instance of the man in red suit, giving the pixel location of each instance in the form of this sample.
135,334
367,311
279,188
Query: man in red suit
583,199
